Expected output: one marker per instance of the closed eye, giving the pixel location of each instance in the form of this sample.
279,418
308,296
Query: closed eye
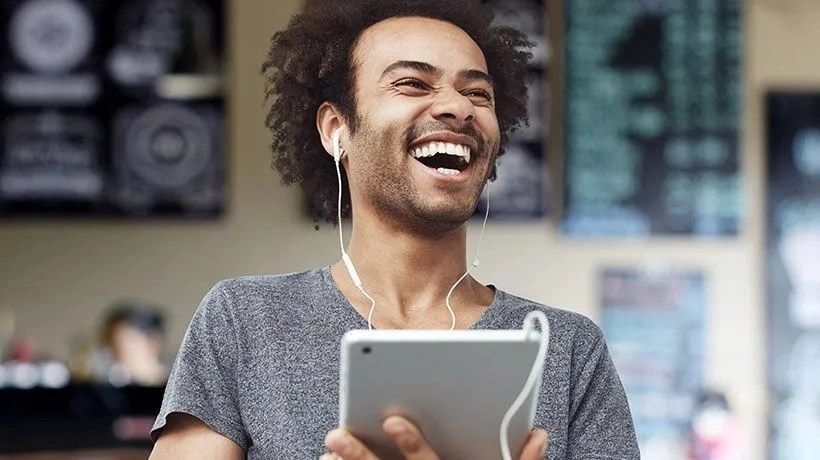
478,93
411,82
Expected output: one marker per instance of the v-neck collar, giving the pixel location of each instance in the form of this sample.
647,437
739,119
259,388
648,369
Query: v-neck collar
483,322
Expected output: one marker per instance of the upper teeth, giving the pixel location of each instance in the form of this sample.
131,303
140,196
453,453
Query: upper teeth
431,148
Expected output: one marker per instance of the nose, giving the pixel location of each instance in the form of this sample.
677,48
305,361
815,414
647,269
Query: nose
453,108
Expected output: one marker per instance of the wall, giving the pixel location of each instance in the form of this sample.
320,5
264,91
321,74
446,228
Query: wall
58,275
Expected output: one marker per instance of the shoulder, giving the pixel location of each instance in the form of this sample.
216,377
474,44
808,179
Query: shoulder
515,308
262,285
568,328
248,293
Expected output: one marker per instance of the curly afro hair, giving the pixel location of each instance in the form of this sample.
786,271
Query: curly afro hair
310,62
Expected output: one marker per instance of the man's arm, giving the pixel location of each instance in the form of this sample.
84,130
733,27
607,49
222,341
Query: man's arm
203,384
186,437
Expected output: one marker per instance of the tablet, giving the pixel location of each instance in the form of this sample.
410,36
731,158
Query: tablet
455,385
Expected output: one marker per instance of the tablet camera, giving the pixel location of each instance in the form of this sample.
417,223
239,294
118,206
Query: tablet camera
366,350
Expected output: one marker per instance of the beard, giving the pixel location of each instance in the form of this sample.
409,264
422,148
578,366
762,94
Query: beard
383,178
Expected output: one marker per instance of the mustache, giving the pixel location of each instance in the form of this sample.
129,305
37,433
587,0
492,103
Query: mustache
416,131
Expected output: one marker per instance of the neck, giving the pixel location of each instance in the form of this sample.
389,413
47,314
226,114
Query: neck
409,275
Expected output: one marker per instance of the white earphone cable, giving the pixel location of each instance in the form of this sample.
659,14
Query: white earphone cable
535,372
475,263
337,156
529,321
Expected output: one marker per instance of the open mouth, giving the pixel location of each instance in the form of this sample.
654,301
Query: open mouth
446,158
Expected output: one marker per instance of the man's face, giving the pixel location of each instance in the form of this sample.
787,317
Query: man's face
421,89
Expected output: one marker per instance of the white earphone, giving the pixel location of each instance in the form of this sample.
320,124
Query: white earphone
338,153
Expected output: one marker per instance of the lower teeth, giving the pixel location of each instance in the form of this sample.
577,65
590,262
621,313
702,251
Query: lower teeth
447,171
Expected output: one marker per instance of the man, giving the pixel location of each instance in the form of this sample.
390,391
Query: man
257,373
133,337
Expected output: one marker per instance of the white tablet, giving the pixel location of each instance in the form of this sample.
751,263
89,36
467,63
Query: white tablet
456,385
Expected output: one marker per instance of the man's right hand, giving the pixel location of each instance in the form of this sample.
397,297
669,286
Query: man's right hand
411,443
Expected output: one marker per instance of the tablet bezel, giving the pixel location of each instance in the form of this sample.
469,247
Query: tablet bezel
404,358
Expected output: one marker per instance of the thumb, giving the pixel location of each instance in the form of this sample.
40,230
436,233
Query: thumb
536,446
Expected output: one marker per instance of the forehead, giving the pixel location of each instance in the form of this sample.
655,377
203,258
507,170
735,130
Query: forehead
439,43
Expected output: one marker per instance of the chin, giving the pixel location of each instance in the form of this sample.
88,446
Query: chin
430,218
446,218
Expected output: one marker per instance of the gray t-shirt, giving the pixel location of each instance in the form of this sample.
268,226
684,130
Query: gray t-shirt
259,364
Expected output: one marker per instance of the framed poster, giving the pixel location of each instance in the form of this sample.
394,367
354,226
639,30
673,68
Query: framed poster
654,324
111,108
652,104
793,273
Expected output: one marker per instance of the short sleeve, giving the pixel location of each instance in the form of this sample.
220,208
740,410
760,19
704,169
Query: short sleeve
600,425
203,379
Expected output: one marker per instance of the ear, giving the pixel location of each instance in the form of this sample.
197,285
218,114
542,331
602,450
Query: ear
328,121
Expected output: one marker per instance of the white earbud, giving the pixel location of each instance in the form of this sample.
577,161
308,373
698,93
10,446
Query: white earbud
337,145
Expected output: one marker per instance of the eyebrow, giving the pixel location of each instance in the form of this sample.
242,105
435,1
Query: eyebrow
468,74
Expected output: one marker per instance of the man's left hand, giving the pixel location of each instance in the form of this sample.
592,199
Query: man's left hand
411,443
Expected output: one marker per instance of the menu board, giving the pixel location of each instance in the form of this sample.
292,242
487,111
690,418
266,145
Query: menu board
652,103
654,326
520,189
793,273
111,108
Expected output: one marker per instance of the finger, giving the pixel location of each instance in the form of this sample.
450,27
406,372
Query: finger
408,438
347,447
536,445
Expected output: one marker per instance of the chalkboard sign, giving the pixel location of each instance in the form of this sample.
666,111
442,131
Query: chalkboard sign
111,108
651,117
654,323
793,273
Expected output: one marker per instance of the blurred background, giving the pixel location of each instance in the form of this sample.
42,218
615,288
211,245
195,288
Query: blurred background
668,187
